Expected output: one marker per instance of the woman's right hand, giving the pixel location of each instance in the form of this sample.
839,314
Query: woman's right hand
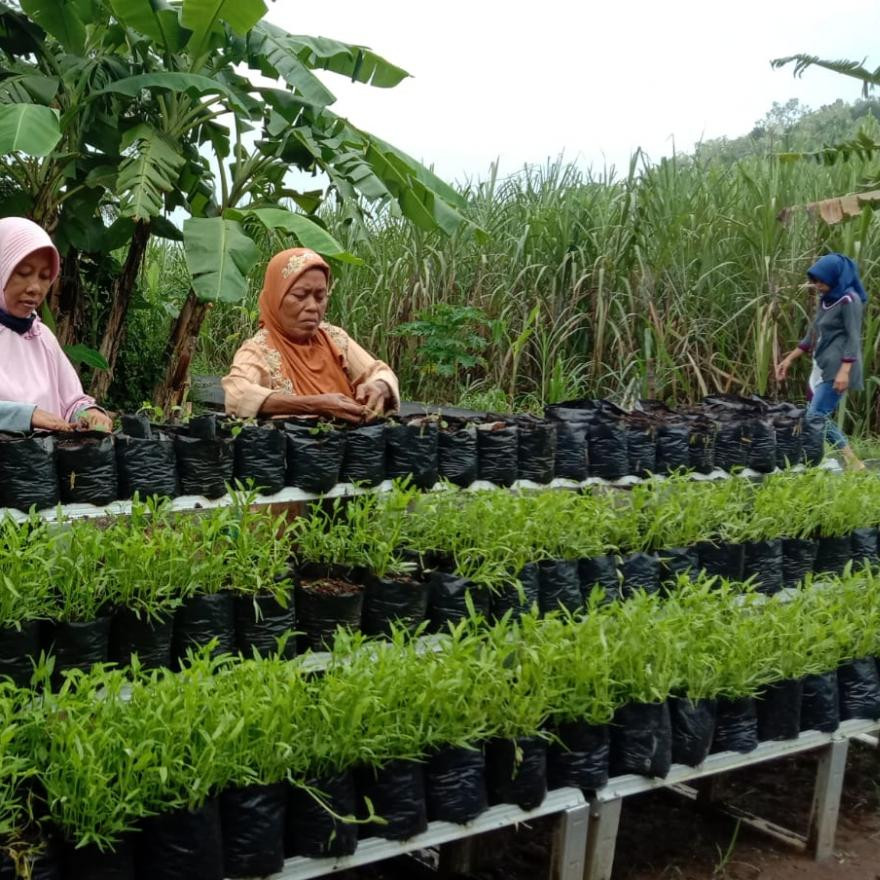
782,369
339,406
46,421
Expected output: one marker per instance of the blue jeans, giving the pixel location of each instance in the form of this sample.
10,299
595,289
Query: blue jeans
824,403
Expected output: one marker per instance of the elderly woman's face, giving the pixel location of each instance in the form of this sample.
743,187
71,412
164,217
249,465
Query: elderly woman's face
304,305
29,283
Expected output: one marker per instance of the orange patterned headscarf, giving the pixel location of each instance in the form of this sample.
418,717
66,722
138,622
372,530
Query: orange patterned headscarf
314,367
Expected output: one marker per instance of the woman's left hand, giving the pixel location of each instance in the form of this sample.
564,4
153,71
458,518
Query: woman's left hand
374,396
95,420
841,380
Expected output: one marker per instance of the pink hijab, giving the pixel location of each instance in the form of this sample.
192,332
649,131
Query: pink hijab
19,238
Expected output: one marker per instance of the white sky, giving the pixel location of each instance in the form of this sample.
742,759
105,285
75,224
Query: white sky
524,82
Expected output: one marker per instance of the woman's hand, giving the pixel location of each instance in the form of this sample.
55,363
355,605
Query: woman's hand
46,421
374,396
338,406
841,380
782,370
95,420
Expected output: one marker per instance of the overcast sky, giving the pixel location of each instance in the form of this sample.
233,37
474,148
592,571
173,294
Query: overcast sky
593,80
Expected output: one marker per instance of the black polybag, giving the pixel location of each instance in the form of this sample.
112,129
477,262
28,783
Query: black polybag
498,453
28,473
736,725
148,637
639,571
693,726
457,455
779,709
609,455
798,559
536,449
559,585
314,458
641,740
673,447
389,600
146,465
89,863
789,441
859,688
19,651
731,450
412,450
701,445
87,468
78,644
397,793
760,435
517,598
675,561
599,571
580,758
813,439
834,552
319,614
314,831
820,703
516,771
181,845
864,546
572,450
252,829
448,600
201,618
722,559
204,463
641,447
261,457
455,784
763,562
364,458
261,621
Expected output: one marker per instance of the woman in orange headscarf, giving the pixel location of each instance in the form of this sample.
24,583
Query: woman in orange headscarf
299,365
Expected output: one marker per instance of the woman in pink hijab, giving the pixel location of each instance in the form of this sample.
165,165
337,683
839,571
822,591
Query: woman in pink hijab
38,386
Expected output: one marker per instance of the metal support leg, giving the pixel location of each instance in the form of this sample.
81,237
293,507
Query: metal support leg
602,839
826,799
570,844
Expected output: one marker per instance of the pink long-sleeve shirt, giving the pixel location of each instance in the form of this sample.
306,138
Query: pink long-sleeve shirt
34,370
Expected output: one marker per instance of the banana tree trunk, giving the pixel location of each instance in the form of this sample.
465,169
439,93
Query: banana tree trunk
171,391
69,300
121,296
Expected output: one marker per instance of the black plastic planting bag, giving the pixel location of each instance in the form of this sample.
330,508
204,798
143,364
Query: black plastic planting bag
693,726
389,600
205,465
859,687
322,605
820,703
448,600
641,448
675,561
261,621
146,465
731,450
312,829
397,793
722,559
572,450
763,562
457,456
89,863
609,456
599,571
864,546
580,758
736,725
701,445
516,771
798,559
78,645
813,439
455,785
260,457
641,740
536,457
517,598
834,552
313,459
639,571
789,442
28,475
760,436
148,637
364,458
559,585
412,451
673,448
87,468
779,710
19,650
182,845
252,829
200,619
498,449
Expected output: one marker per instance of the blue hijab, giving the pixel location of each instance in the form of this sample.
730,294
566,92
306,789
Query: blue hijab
841,274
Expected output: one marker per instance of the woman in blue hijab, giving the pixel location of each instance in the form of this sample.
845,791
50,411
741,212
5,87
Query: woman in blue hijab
835,342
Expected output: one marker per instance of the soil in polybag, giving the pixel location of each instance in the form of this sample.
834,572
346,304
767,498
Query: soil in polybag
314,457
639,571
412,450
673,448
181,845
261,458
609,455
798,559
455,785
779,709
572,450
641,740
326,599
641,447
722,559
148,637
205,460
559,585
813,439
261,622
701,445
731,449
78,645
146,465
789,442
834,552
760,435
676,561
312,828
693,726
820,703
364,459
397,793
763,562
498,450
89,863
28,473
252,829
199,619
87,468
864,546
859,688
19,650
580,756
736,725
517,598
516,771
400,601
599,571
536,449
457,455
450,597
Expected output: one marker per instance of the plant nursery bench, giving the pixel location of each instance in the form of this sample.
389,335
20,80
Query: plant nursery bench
605,804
